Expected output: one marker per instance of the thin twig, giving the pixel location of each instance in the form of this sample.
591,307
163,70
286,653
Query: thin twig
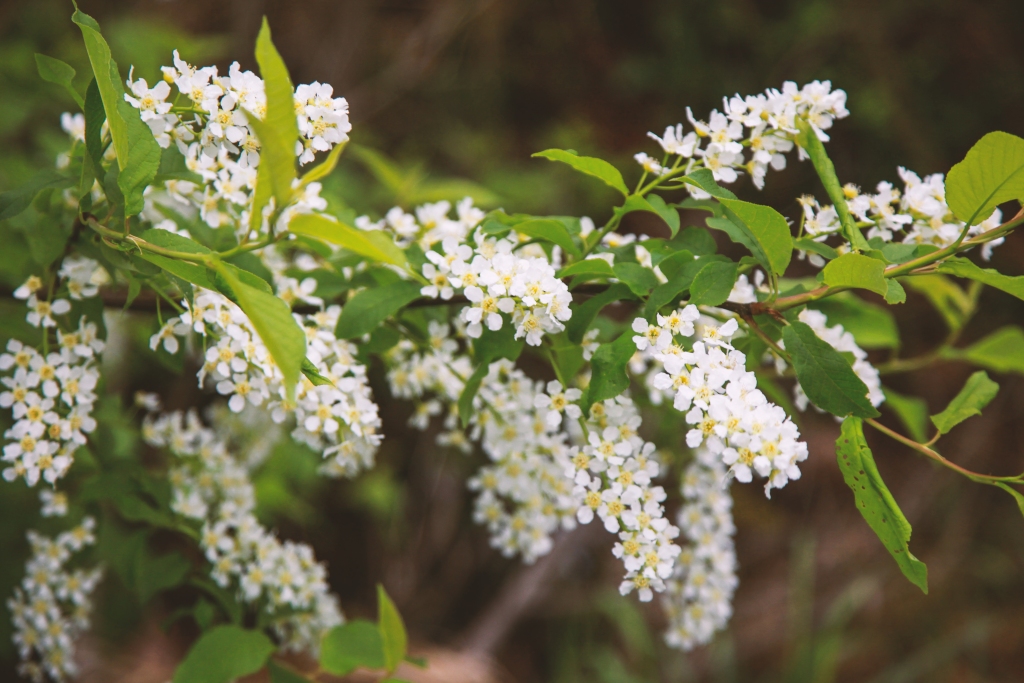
928,452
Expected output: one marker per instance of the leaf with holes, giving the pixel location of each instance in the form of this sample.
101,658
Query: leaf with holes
874,501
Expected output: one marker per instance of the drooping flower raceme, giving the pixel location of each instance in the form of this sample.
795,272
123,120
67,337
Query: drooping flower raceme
523,496
612,473
698,597
51,389
51,608
719,396
281,579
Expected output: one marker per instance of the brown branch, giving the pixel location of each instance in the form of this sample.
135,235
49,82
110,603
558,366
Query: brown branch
928,452
527,589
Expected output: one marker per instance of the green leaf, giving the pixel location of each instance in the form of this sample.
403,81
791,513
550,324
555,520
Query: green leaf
639,279
279,130
583,315
370,307
1001,351
808,139
223,654
608,370
826,377
592,166
95,115
667,213
767,228
313,375
17,200
392,630
990,174
665,293
190,272
324,169
673,264
912,411
347,647
273,321
961,267
568,357
820,248
587,269
704,179
54,71
469,392
952,303
695,240
872,326
856,271
1013,492
488,347
108,82
895,294
635,202
712,285
155,574
169,240
373,244
550,231
977,393
874,501
279,673
492,345
740,235
142,162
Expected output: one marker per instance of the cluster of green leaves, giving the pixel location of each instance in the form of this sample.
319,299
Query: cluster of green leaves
227,652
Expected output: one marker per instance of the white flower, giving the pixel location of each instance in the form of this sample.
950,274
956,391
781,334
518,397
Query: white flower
649,164
558,401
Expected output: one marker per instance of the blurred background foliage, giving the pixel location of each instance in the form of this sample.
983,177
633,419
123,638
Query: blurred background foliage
450,97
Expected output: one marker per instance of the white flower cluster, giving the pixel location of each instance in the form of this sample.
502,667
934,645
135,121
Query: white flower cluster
842,341
500,277
428,225
210,128
51,392
52,606
612,475
523,497
544,475
698,597
765,124
917,215
340,420
711,384
210,485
